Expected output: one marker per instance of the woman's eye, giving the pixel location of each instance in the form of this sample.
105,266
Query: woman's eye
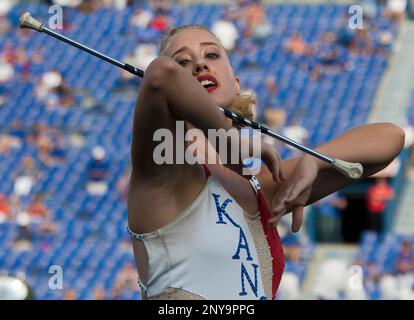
212,55
183,62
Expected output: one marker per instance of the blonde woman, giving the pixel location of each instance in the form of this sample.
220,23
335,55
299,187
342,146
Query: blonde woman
207,231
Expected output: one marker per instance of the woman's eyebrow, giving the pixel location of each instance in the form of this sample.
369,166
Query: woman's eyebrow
201,44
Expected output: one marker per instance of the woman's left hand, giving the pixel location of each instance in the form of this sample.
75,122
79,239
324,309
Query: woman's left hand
294,193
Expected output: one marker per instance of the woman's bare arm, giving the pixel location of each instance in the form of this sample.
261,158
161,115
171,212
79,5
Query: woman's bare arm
168,93
372,145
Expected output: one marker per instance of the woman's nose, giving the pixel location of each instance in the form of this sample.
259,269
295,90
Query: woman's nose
199,66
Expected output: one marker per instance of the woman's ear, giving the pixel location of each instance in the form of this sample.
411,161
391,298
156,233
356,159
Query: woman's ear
237,85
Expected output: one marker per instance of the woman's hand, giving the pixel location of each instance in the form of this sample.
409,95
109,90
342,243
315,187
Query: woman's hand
272,160
294,193
248,148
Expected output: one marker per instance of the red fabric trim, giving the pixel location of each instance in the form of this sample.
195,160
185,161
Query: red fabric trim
206,170
273,239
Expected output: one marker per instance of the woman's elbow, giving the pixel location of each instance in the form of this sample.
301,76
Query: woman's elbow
397,135
159,72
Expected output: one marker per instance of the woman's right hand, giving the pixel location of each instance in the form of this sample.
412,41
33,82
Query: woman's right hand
294,195
272,159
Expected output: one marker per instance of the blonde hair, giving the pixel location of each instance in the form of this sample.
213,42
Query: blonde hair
244,104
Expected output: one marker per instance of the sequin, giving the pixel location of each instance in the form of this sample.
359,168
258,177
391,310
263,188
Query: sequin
263,252
176,294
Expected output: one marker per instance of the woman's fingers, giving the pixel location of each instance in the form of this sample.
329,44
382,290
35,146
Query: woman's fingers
282,175
277,215
297,218
296,190
273,161
295,193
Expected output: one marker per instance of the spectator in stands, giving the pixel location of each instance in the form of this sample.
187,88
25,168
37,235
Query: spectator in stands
274,119
378,196
23,221
65,95
70,294
160,6
5,212
26,177
227,32
38,131
123,184
399,284
329,55
99,293
385,42
51,150
144,54
5,26
21,61
293,252
362,44
395,9
271,97
8,142
46,88
37,210
7,71
126,281
404,269
329,219
296,132
66,3
160,22
404,262
290,287
88,6
117,4
41,215
296,45
141,18
9,54
257,26
370,9
97,171
53,90
254,15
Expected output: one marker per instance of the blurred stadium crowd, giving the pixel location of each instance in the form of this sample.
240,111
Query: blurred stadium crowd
65,130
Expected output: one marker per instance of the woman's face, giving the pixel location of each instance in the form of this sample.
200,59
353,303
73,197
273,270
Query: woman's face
200,53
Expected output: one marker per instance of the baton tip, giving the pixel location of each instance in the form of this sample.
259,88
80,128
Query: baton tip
28,22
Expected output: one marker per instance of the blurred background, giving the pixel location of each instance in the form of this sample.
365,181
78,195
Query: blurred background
317,69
